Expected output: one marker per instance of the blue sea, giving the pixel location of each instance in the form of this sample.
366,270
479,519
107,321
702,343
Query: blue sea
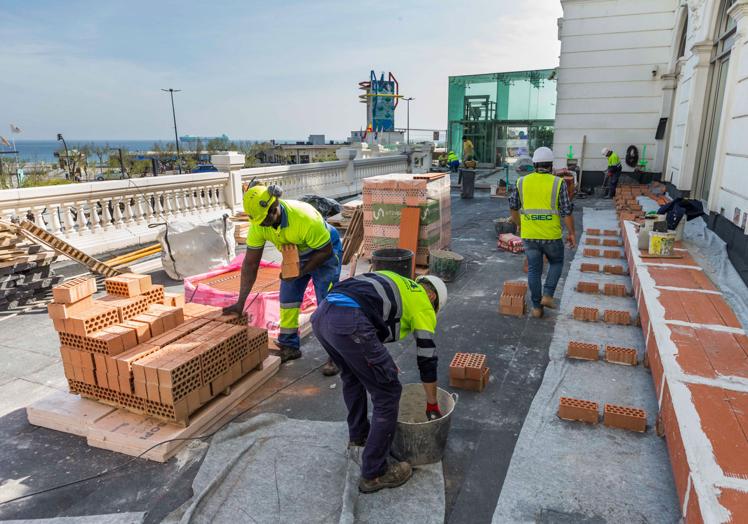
43,150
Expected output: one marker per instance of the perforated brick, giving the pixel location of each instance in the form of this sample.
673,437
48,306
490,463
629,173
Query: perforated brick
589,252
127,308
595,232
612,242
121,286
517,288
623,417
614,269
587,314
615,290
608,253
94,319
610,232
155,295
512,305
590,268
621,355
177,412
588,287
578,410
72,340
591,241
582,350
74,290
613,316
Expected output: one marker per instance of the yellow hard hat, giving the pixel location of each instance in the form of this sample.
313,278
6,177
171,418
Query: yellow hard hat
257,202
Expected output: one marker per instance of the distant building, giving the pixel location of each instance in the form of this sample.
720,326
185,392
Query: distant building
505,115
668,75
317,140
303,153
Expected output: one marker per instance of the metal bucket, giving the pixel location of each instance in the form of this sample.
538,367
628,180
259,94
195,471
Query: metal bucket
417,439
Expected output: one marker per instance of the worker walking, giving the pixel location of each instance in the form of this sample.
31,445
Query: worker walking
613,171
284,222
539,203
356,318
453,162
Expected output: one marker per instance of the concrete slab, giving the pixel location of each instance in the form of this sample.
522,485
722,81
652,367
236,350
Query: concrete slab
20,392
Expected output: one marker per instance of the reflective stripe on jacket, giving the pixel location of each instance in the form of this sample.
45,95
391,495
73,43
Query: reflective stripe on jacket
538,193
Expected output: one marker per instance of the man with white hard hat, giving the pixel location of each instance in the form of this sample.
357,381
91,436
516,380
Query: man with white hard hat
613,171
539,203
353,323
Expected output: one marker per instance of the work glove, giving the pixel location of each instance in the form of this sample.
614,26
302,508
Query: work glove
432,411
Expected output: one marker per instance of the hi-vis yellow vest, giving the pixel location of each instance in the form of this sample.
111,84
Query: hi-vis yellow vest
538,193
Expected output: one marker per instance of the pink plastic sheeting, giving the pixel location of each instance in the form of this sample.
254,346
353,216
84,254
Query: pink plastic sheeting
262,307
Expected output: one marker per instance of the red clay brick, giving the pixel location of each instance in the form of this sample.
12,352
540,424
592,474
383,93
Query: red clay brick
608,253
588,252
613,316
582,350
588,287
590,268
621,355
593,242
624,417
595,232
517,288
612,242
615,290
472,385
512,305
578,410
610,232
588,314
614,269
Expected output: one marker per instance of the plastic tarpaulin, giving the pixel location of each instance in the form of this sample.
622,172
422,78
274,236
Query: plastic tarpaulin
262,307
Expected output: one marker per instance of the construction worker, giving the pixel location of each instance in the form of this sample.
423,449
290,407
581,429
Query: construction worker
285,222
468,149
453,162
613,171
539,203
356,318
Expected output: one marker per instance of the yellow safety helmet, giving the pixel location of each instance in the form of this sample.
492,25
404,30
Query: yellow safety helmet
257,202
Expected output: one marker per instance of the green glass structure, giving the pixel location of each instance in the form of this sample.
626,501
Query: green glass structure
505,115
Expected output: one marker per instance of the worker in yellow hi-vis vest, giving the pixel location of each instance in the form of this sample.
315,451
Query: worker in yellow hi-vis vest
539,203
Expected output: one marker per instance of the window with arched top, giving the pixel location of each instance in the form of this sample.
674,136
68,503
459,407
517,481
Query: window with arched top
724,38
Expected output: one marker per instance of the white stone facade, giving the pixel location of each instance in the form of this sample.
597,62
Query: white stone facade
625,64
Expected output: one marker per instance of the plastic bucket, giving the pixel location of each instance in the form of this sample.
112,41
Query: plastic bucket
397,260
417,439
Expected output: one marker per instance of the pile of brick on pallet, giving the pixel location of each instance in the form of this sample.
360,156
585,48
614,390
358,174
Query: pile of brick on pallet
25,270
146,351
469,371
385,197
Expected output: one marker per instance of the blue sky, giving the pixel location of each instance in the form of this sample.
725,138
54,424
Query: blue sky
283,69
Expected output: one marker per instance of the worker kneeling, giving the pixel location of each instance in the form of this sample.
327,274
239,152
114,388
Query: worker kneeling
285,222
353,322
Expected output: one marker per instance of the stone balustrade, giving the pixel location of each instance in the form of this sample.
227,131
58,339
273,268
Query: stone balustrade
102,216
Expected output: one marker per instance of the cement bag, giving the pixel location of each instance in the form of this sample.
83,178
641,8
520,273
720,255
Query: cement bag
193,248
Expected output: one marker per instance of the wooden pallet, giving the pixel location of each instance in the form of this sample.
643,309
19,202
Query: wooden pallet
124,432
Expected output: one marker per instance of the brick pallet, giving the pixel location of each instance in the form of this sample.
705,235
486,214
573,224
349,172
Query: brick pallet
140,351
384,198
25,270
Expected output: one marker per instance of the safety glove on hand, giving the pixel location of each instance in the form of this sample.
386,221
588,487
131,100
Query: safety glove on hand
433,412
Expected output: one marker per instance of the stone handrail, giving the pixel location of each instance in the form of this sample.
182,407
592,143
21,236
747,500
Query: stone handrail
107,215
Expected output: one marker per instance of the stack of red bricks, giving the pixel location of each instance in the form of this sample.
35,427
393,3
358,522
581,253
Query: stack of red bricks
512,301
147,351
627,205
469,371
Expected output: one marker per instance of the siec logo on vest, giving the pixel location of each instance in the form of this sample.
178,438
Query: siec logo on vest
539,217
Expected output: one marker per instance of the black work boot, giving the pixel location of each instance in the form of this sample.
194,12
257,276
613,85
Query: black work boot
396,475
330,369
287,353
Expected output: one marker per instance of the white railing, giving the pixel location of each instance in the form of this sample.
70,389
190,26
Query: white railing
102,216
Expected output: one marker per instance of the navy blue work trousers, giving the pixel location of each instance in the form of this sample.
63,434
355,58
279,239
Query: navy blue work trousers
365,366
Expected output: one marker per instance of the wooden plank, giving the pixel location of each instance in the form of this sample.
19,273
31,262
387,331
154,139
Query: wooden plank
410,222
132,434
67,412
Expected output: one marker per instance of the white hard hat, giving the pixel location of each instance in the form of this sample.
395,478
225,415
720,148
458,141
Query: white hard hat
542,155
440,287
606,151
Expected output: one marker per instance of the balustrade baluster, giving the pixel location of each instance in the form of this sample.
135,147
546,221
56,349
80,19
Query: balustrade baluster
117,215
138,210
106,214
54,219
81,219
94,216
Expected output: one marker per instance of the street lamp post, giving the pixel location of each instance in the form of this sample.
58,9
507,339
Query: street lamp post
67,154
408,117
176,135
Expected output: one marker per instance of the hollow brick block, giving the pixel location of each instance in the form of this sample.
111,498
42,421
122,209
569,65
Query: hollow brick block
609,253
588,287
582,350
590,268
588,314
623,417
614,269
589,252
74,290
612,316
595,232
578,410
610,233
621,355
513,305
592,241
291,264
122,286
615,290
515,288
612,242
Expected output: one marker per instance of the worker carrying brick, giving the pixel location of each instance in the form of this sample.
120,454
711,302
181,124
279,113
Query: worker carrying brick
285,222
613,170
358,316
538,204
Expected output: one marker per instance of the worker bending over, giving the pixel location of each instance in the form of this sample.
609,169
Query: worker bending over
613,171
453,162
284,222
539,203
358,316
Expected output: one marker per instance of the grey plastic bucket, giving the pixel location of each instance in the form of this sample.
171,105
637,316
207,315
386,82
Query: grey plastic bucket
417,439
